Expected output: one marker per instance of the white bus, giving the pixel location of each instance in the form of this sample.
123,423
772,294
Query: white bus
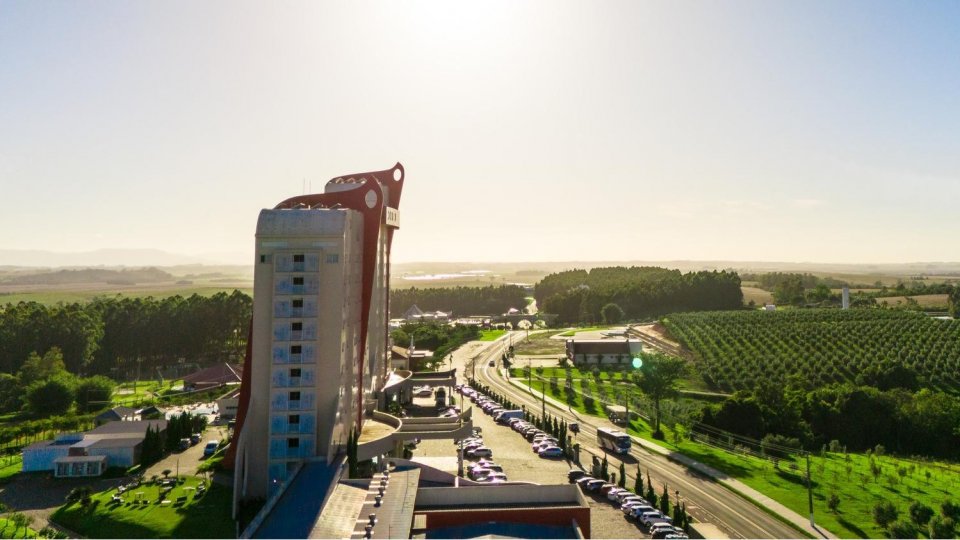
614,440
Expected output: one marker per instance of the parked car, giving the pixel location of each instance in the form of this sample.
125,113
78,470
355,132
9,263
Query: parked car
612,494
594,485
481,451
647,518
211,448
640,509
604,489
628,507
551,452
661,531
493,477
196,438
582,481
575,474
183,444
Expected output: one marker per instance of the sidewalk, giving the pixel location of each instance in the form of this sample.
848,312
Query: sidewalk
731,483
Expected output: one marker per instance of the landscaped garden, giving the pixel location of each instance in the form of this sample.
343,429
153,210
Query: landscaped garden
153,509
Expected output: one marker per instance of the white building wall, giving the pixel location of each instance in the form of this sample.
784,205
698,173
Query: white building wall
41,459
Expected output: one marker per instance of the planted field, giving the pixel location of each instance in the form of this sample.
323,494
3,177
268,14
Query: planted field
737,349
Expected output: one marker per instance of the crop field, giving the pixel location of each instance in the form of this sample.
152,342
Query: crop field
859,481
737,349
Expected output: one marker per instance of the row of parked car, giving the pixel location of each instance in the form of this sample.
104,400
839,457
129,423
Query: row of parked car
633,506
542,443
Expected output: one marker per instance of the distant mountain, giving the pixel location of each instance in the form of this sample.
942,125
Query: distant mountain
111,257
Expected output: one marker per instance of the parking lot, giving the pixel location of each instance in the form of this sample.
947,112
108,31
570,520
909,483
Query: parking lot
514,454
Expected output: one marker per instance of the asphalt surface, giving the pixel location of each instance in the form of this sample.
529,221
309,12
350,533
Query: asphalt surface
512,452
706,500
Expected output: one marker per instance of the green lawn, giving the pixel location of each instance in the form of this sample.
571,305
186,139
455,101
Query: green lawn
9,530
849,476
9,467
204,517
490,335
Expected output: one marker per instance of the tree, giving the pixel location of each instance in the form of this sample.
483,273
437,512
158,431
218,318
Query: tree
902,529
638,482
622,479
920,513
665,501
833,503
19,520
604,465
50,397
941,527
94,393
658,380
884,513
37,368
651,494
611,313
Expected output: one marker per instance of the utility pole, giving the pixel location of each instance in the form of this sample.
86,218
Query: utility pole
809,490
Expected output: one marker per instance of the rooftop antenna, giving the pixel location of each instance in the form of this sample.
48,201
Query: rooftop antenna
304,183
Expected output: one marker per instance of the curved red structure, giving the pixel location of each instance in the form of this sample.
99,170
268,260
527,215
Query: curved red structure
367,197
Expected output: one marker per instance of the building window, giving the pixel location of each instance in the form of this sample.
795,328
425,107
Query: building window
333,258
295,372
294,396
293,419
293,442
298,281
298,258
263,258
298,303
297,326
296,349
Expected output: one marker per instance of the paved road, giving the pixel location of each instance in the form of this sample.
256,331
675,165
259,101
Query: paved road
706,500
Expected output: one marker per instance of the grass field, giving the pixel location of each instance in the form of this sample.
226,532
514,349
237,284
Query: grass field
9,467
9,530
759,296
849,476
926,301
204,517
540,343
490,335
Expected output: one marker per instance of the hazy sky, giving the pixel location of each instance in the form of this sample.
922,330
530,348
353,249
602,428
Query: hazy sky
794,131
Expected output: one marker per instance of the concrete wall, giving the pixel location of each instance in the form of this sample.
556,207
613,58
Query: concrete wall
562,517
488,495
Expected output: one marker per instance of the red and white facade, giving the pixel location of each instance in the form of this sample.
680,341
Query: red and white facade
318,349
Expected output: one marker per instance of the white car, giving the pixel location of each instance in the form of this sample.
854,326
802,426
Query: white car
612,494
492,477
647,518
480,451
550,452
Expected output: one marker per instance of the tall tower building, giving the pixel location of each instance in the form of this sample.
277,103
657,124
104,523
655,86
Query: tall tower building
317,353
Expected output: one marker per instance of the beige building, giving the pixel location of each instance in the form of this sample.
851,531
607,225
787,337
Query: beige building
318,351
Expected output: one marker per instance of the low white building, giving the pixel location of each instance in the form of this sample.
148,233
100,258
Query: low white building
603,351
119,444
